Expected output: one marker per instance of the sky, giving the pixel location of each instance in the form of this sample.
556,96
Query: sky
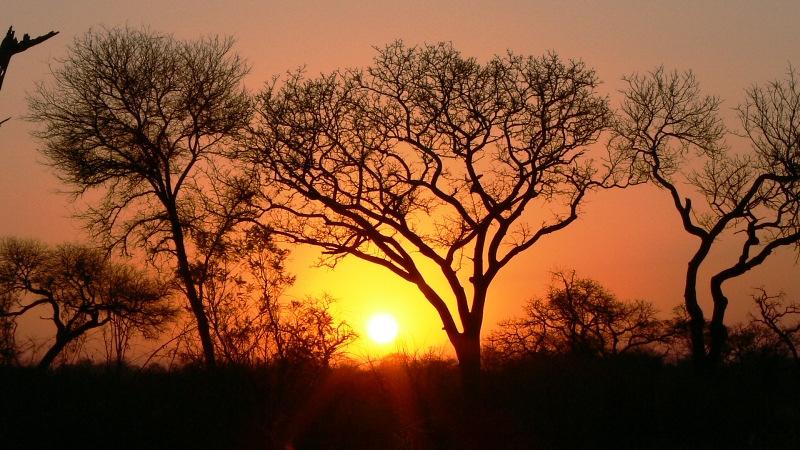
631,241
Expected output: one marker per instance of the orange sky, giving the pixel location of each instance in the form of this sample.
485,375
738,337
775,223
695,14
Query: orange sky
631,241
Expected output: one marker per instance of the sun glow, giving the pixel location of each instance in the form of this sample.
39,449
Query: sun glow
382,328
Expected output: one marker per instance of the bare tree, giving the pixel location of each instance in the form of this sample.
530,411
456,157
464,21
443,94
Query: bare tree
145,119
309,332
579,316
121,329
430,159
80,287
667,129
782,321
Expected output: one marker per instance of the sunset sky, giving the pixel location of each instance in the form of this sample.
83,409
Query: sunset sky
631,241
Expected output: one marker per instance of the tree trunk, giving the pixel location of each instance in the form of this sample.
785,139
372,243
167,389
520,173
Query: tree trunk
468,352
696,320
474,435
53,352
719,333
185,273
63,337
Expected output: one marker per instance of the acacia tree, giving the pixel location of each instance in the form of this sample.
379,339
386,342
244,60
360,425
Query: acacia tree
144,120
579,316
428,157
667,129
82,289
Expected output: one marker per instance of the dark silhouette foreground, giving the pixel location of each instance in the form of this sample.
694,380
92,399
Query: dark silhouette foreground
554,402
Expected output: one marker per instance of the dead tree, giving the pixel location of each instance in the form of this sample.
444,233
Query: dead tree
11,46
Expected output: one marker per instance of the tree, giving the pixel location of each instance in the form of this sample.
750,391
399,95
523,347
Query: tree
11,46
251,321
664,122
8,327
81,287
428,157
243,288
145,119
578,316
783,322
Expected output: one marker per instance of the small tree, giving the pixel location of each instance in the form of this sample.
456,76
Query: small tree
783,322
82,289
252,322
428,156
243,288
144,120
664,122
579,316
309,332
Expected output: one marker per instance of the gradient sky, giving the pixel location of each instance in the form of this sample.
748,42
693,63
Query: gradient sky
631,241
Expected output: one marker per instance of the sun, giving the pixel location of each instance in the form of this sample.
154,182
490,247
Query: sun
382,328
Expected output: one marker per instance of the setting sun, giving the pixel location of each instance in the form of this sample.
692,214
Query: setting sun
382,328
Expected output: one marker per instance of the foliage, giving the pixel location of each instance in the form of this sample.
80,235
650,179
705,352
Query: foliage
671,135
250,318
144,120
309,332
8,326
429,157
81,288
578,316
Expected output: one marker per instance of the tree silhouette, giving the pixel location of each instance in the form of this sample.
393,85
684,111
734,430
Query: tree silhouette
144,119
8,327
81,288
578,316
663,123
250,319
428,157
242,290
11,46
782,321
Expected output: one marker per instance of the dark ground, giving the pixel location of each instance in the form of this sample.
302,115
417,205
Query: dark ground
547,403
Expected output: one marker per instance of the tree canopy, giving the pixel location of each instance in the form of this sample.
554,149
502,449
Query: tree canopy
427,155
144,119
